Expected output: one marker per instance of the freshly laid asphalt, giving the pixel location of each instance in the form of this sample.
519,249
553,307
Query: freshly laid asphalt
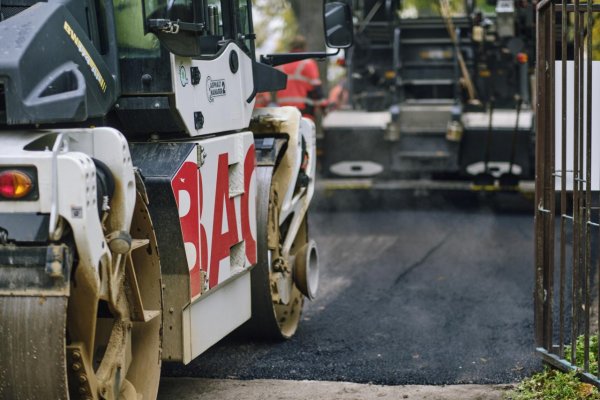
430,293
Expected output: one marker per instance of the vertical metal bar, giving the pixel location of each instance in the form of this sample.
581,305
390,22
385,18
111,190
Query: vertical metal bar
576,179
590,126
563,180
541,134
488,136
590,29
588,193
513,146
581,173
549,197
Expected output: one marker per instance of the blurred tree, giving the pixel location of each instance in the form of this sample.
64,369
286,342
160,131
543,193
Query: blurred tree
281,20
274,23
485,7
425,8
309,15
290,30
596,36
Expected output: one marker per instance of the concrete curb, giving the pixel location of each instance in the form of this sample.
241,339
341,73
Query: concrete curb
221,389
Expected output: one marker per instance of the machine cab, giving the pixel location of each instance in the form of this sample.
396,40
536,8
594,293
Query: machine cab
189,66
185,65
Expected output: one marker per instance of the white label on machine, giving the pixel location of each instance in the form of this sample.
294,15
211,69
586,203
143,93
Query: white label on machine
570,124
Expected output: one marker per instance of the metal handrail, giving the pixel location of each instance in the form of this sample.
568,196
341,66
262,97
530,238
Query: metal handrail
52,228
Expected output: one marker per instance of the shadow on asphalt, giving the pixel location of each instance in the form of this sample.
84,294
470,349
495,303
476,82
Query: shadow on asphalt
395,200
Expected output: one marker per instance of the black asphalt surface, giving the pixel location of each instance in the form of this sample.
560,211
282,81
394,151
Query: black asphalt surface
437,292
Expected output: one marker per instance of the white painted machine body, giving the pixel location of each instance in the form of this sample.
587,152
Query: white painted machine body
221,95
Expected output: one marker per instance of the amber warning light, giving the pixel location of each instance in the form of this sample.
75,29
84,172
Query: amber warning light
15,184
522,58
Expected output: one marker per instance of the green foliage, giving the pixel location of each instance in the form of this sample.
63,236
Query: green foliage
429,8
268,11
424,8
580,352
485,7
554,385
291,30
596,36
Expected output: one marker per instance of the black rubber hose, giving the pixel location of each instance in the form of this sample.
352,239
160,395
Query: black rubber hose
105,184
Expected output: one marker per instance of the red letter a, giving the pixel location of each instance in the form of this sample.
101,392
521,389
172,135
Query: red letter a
222,241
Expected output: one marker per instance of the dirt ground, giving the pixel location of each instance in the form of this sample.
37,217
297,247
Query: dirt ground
264,389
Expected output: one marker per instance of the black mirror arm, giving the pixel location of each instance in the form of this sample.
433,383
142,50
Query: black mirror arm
275,60
168,26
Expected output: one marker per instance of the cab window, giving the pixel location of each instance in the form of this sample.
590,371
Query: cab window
214,16
140,53
131,38
180,10
245,26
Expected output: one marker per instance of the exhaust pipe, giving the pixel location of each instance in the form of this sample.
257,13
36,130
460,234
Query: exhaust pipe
306,270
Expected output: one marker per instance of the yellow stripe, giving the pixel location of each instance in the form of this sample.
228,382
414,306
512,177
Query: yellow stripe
86,56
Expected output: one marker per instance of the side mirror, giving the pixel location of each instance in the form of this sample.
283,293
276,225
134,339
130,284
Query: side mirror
339,29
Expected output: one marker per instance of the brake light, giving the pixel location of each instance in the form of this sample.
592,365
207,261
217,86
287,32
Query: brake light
15,184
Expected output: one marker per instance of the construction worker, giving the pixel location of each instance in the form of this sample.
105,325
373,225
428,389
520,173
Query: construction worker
263,99
304,89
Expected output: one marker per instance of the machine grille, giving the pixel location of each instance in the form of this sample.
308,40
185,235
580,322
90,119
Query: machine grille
10,11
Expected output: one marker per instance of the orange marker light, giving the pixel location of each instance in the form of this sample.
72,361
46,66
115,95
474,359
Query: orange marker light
522,58
15,184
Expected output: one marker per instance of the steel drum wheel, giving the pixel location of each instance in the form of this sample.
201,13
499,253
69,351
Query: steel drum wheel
271,319
89,342
121,359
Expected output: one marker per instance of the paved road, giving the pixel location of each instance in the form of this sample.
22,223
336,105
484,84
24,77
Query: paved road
426,295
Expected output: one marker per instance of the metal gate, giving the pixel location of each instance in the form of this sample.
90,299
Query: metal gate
567,187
